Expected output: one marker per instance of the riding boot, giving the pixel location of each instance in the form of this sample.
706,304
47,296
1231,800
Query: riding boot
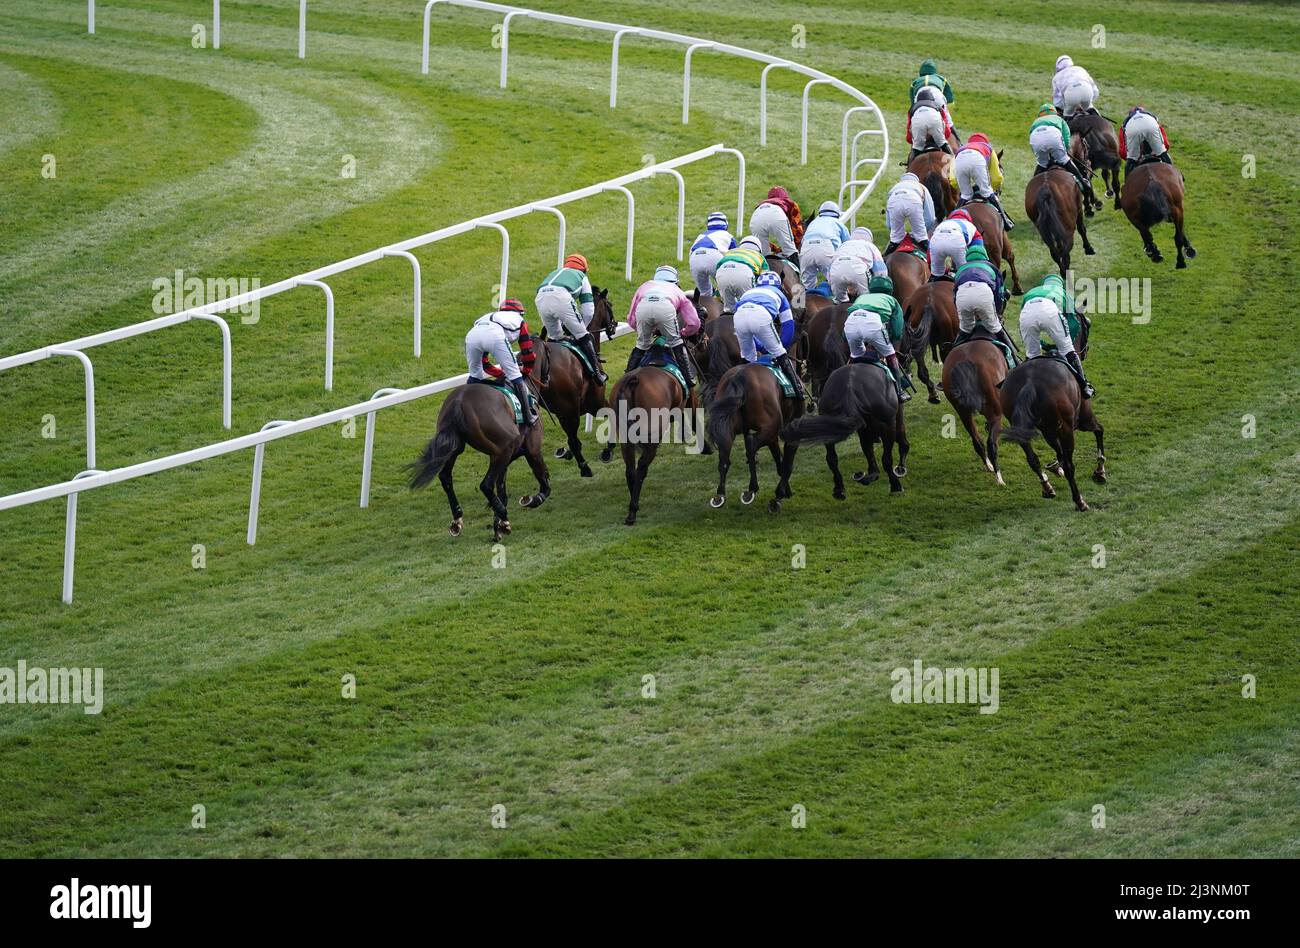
1129,165
945,147
588,345
957,340
893,245
1038,169
525,403
912,153
786,364
1077,365
1006,219
1005,336
897,368
683,363
1166,159
634,358
1085,181
922,245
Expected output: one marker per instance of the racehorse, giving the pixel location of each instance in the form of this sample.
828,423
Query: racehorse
1154,193
1079,153
931,316
1098,135
972,372
1043,395
934,170
642,400
857,398
721,352
750,402
826,329
482,417
1053,203
570,391
791,285
908,271
996,241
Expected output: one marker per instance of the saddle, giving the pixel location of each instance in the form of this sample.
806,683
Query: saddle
577,351
908,245
787,387
1049,352
873,358
504,388
661,357
981,332
822,289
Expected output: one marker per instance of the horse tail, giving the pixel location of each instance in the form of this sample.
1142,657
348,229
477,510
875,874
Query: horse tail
719,360
840,415
1024,420
915,337
934,184
833,347
965,388
727,404
441,447
1153,203
1049,221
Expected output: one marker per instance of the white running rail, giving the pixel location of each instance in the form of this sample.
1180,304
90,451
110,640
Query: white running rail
93,478
693,43
216,24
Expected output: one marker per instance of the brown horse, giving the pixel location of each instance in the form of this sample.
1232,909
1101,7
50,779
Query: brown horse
972,373
570,391
1079,154
750,402
908,272
1098,136
857,398
996,240
931,315
480,416
1153,193
791,285
641,401
721,353
934,170
1042,395
1053,203
826,328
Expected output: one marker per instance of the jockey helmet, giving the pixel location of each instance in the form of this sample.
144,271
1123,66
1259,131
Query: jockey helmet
1045,108
576,261
512,306
979,137
828,209
768,278
880,284
862,233
1063,62
751,242
976,252
667,274
717,221
1054,279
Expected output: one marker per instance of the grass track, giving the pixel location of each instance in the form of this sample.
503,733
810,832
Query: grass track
521,685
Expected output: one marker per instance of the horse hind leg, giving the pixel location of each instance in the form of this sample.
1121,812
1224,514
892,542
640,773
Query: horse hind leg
570,426
1065,448
895,485
449,487
633,488
867,443
1083,232
774,446
833,462
968,420
648,452
1036,466
924,374
1088,422
751,458
1009,255
1149,245
1181,242
490,488
724,465
538,467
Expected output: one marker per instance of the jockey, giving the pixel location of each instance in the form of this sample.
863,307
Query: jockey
757,316
1049,137
875,319
1142,129
491,336
777,221
737,271
928,125
951,240
660,307
909,203
1073,90
1045,311
928,77
566,303
976,174
981,297
821,240
708,250
857,259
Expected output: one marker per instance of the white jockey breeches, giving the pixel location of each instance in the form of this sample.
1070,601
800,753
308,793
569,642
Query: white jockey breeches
972,174
975,304
754,324
905,207
704,262
769,224
948,242
559,313
1041,317
864,328
489,340
734,280
815,258
1048,146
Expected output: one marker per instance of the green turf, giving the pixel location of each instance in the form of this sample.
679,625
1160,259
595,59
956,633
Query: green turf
521,686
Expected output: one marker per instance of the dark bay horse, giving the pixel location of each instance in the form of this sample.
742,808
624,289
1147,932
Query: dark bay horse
570,391
721,353
1152,194
1079,154
641,401
971,375
480,416
826,329
996,240
908,271
750,402
931,316
1102,144
791,285
857,398
1053,203
934,170
1042,395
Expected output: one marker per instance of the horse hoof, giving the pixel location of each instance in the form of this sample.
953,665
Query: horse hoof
1001,482
630,520
1090,251
1082,506
505,527
1055,468
895,488
563,454
774,506
933,399
1099,477
457,527
900,471
747,497
586,471
1049,492
1191,252
717,500
838,494
866,477
988,466
1180,265
1109,193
